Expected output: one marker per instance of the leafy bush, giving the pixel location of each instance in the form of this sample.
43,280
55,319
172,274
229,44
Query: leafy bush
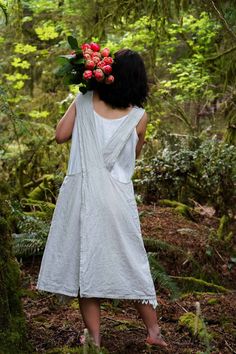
32,231
205,173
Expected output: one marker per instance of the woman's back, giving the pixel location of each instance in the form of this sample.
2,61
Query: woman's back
123,168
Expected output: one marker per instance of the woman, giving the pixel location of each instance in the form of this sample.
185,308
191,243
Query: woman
95,248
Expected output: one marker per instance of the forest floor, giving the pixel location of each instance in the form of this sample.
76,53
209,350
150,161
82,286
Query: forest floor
52,325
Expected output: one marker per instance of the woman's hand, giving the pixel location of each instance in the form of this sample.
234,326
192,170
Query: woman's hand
65,126
141,131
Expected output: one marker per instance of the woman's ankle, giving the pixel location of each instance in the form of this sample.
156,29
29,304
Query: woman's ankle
97,340
154,331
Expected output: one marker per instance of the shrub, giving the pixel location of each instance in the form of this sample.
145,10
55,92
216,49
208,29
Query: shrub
205,173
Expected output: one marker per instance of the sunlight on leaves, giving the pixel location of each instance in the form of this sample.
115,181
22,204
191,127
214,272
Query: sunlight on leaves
37,114
17,62
22,48
46,32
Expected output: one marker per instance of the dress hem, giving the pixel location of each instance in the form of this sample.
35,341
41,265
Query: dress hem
64,295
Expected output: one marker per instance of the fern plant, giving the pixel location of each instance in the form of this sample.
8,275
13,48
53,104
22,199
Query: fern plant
159,245
33,232
159,274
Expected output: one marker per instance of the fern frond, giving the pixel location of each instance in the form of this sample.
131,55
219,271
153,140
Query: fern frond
33,233
28,244
163,279
154,245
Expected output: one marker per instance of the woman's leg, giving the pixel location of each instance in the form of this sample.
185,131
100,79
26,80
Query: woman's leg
90,311
149,317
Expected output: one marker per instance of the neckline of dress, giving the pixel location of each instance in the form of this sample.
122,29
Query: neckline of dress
95,113
109,119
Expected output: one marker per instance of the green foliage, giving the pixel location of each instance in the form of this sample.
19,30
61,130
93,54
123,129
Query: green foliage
46,32
196,326
3,8
160,276
73,42
33,231
204,172
12,321
21,48
138,35
18,63
37,114
77,350
155,245
72,66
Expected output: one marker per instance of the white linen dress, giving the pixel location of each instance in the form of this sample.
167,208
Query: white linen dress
95,246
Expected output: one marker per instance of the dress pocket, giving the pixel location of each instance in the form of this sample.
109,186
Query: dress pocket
134,212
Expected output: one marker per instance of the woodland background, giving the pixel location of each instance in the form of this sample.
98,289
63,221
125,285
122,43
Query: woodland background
184,181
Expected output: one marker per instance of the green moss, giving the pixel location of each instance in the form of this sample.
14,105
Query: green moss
37,203
213,301
190,283
29,293
12,320
37,214
40,319
77,350
198,294
180,208
121,327
74,304
13,340
195,326
227,323
223,229
170,203
38,193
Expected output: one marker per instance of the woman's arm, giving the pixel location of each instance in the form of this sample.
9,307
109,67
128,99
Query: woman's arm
141,130
65,126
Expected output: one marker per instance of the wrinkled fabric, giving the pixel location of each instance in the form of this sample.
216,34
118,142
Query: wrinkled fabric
95,246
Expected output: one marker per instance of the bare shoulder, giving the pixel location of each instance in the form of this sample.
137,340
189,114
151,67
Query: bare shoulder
142,125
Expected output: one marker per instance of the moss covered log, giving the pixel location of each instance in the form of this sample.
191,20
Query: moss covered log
180,208
12,320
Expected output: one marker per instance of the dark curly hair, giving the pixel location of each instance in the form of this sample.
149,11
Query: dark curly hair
130,85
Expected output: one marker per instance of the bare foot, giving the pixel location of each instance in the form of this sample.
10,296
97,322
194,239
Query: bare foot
158,340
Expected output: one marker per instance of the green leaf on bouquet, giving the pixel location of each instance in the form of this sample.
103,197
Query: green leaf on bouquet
65,69
73,42
62,59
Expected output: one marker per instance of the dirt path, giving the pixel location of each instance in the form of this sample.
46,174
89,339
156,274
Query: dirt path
51,325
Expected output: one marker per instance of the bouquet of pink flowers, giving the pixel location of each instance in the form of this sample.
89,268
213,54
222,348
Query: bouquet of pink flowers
85,63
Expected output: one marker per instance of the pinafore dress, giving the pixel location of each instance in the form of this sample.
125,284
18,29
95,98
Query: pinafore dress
94,246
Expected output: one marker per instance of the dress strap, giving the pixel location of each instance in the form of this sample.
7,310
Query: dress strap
120,137
93,154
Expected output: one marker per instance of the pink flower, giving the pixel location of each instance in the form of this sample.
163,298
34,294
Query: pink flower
85,46
88,51
87,74
101,64
99,75
96,54
95,47
105,52
89,64
87,56
109,79
107,69
108,60
96,59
